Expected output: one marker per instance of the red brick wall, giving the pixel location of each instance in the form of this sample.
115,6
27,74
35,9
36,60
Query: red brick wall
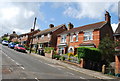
55,34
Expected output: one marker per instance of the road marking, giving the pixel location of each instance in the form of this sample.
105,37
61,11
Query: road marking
81,78
17,63
22,67
70,73
37,79
14,61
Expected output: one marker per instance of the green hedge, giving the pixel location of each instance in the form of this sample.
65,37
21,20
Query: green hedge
56,56
48,49
87,53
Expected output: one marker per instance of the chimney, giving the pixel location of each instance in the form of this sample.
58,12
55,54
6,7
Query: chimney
107,17
70,26
32,30
51,25
14,32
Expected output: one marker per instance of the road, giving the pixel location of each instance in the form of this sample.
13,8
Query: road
17,65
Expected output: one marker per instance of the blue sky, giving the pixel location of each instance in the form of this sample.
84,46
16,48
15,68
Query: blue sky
19,16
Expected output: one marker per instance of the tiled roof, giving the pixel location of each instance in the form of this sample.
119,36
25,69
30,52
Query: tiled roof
48,30
85,27
118,29
28,33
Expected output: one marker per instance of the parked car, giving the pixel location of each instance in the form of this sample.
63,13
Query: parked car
11,45
19,47
4,42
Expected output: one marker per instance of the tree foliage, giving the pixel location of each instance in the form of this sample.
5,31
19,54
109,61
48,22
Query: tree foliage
107,48
5,38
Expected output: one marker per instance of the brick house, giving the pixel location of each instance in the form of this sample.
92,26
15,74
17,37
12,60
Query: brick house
25,38
48,37
88,35
117,56
13,35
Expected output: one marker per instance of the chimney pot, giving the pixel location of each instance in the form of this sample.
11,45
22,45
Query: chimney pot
51,25
32,30
70,26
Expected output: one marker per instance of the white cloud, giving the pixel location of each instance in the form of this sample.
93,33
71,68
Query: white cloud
19,16
114,26
92,10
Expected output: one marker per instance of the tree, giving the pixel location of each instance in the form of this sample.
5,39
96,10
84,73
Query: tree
5,38
107,48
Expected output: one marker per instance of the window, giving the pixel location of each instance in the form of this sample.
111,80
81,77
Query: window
76,37
71,38
42,36
88,35
48,35
63,38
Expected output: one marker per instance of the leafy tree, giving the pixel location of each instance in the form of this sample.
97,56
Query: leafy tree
5,38
107,48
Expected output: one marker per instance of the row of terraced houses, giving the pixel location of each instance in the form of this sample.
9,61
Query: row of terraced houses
67,38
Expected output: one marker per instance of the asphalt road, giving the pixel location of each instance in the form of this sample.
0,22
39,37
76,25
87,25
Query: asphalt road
17,65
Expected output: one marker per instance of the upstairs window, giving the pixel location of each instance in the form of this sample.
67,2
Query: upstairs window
48,35
88,35
42,36
63,39
71,38
76,37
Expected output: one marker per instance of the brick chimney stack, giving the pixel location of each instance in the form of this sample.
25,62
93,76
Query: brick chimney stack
70,26
14,32
51,25
107,17
32,30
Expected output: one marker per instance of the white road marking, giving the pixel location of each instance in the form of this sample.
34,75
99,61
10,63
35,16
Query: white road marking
17,63
22,67
14,61
81,78
70,73
37,79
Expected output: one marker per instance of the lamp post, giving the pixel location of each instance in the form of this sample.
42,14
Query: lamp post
31,38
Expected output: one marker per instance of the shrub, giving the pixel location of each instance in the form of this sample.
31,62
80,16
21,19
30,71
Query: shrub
62,58
56,56
27,48
92,54
48,49
16,42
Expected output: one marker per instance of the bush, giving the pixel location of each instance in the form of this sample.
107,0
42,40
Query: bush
92,54
48,49
16,42
56,56
27,48
62,58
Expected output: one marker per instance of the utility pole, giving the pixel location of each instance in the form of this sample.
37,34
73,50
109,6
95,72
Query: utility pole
32,35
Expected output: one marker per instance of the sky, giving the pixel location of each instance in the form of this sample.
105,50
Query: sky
19,16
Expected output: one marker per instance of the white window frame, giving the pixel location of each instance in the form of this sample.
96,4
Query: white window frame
88,35
42,36
63,39
71,38
76,36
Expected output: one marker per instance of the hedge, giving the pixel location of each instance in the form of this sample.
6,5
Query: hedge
92,54
48,49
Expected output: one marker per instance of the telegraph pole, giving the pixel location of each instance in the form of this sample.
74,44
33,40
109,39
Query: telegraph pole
32,35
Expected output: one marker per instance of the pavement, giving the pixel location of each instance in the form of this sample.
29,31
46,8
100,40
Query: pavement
95,74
